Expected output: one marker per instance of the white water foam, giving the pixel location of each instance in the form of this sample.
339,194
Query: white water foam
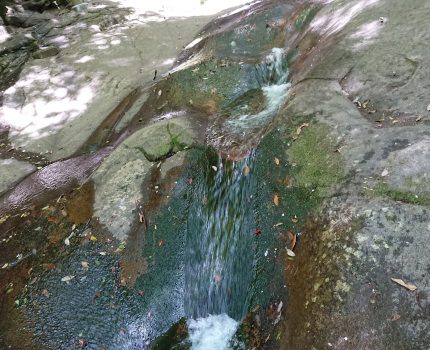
211,333
275,90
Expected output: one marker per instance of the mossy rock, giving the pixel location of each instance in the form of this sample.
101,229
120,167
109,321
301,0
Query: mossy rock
209,86
162,139
316,164
385,190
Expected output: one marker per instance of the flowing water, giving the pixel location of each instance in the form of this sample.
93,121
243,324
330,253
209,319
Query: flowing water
220,254
273,74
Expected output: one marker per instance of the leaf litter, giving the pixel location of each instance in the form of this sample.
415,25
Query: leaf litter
402,283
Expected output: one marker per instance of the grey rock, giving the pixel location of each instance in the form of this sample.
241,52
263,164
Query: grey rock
46,52
118,180
162,139
17,42
27,18
12,171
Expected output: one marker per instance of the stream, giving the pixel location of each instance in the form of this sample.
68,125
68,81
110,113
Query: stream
220,254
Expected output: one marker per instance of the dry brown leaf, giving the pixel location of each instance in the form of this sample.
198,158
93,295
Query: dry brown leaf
409,286
246,170
276,161
276,200
293,239
299,129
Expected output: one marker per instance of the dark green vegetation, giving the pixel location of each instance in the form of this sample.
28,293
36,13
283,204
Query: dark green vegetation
410,197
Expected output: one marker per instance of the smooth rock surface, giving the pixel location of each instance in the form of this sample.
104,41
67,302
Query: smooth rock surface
12,171
119,179
102,59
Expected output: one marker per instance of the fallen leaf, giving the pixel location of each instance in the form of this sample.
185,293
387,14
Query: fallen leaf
67,241
217,278
4,218
45,293
299,129
67,278
409,286
85,265
141,217
246,170
214,168
160,242
293,239
294,220
50,266
276,161
73,227
121,246
82,343
278,224
257,232
290,252
395,317
384,173
93,238
86,232
102,253
276,200
419,118
5,265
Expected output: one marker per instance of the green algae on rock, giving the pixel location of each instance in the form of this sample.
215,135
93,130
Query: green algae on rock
316,164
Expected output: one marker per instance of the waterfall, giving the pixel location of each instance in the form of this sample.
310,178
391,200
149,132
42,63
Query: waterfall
221,226
219,247
273,74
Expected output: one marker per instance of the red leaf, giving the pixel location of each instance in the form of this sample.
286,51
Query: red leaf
257,232
160,242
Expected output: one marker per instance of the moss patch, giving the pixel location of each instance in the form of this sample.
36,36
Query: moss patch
316,165
384,190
